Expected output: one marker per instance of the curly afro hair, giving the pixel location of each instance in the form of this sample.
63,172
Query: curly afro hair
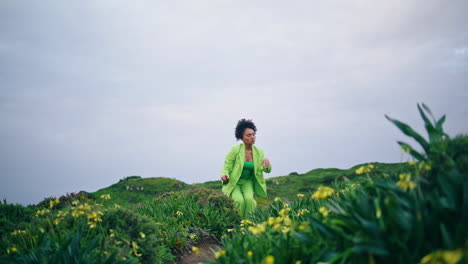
242,125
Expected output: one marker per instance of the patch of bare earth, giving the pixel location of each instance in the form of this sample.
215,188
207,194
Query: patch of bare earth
204,253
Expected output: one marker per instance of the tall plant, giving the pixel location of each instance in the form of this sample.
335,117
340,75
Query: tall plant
418,216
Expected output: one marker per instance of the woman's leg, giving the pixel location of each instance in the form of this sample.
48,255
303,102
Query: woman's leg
238,199
248,192
243,197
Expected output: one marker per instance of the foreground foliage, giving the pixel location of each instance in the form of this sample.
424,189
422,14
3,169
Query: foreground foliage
418,216
72,230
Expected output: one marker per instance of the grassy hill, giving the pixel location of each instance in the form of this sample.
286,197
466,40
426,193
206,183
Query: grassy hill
134,189
287,187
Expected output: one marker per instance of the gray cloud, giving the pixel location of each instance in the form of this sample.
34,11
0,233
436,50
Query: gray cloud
91,92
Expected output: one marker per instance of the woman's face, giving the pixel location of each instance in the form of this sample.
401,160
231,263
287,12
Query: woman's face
249,136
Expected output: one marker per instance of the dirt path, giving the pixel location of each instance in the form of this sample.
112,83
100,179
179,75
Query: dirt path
204,254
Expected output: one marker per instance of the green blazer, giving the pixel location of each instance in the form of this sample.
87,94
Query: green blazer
233,165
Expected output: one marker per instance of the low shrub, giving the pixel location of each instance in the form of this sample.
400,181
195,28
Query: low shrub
85,233
184,217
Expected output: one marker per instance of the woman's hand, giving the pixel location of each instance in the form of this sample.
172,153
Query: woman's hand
225,179
266,163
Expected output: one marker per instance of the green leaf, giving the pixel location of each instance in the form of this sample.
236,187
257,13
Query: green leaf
440,123
448,243
427,122
412,152
407,130
428,110
326,231
303,238
436,132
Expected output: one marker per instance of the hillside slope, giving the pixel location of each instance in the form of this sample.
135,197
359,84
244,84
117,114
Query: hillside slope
135,189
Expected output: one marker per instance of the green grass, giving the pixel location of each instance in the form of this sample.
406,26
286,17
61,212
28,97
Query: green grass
133,191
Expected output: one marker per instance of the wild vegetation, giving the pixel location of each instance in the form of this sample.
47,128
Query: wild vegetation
410,212
413,216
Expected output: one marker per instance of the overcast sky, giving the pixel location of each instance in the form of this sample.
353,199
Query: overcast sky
94,91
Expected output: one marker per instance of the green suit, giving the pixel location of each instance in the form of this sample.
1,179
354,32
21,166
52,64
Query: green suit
233,165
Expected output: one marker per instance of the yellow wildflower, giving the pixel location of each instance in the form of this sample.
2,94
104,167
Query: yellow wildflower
242,229
11,250
277,199
271,220
77,212
298,262
424,166
287,221
286,229
277,227
135,249
95,216
268,260
53,202
230,230
83,207
193,236
179,213
116,206
41,230
196,250
105,196
19,232
220,253
300,195
245,222
284,212
249,253
405,182
443,256
324,211
62,214
378,213
57,221
142,235
322,192
258,229
75,202
361,170
364,169
304,226
42,212
302,212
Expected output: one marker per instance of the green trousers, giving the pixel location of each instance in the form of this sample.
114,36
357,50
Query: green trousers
243,197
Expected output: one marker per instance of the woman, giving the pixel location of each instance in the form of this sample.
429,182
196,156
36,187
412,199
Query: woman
242,175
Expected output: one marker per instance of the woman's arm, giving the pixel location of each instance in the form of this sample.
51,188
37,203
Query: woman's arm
229,162
266,165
